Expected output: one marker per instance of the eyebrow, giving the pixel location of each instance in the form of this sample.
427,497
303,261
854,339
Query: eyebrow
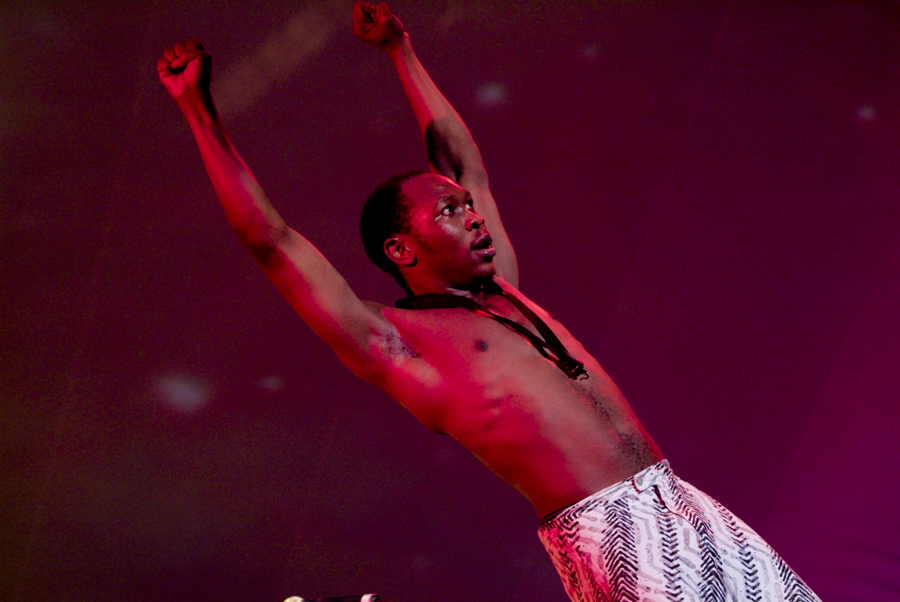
438,204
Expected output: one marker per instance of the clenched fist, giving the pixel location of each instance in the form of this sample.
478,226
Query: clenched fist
184,67
377,25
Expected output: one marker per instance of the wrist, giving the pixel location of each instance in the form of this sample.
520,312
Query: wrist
399,49
195,102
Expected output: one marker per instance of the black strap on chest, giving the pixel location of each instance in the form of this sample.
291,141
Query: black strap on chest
549,346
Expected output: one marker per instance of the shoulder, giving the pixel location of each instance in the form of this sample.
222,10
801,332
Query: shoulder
513,291
505,285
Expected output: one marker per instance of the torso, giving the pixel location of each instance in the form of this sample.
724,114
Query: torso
555,439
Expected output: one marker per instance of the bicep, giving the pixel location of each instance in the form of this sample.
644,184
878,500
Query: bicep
321,296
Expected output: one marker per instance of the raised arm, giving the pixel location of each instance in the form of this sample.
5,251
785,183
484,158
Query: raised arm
451,150
358,334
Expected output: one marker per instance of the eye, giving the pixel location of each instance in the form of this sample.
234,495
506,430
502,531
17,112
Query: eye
448,209
470,204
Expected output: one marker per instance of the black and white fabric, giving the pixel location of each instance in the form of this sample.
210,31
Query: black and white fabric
654,537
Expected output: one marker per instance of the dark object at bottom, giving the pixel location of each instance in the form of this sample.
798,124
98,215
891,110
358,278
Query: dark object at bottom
363,598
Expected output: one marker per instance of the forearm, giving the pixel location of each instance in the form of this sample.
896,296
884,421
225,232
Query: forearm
451,149
246,206
305,278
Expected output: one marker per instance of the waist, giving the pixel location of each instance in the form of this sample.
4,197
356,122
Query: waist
636,482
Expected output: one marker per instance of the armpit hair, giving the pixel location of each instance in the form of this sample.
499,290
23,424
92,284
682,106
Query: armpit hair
393,345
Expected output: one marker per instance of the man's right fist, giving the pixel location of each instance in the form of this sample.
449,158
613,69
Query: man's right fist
377,25
185,66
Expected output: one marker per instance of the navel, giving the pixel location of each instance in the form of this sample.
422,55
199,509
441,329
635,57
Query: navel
481,345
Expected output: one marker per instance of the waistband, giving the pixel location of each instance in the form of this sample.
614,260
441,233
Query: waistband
636,482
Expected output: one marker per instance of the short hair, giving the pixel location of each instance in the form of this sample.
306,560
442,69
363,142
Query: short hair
385,214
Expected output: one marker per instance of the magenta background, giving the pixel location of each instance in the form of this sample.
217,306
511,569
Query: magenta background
706,194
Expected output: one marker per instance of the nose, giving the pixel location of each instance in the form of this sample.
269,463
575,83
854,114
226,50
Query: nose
474,221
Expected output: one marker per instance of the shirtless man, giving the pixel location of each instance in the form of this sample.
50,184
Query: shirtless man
469,360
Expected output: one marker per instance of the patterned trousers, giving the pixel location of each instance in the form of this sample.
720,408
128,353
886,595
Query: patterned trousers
654,537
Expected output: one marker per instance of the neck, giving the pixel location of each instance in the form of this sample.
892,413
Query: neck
475,291
477,296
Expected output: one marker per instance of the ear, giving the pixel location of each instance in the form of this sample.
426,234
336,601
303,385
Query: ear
397,249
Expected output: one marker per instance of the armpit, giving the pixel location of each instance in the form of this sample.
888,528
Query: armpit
391,344
388,342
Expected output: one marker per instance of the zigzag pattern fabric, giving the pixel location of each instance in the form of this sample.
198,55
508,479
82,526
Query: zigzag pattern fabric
656,538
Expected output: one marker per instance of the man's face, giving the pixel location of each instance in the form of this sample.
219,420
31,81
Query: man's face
447,235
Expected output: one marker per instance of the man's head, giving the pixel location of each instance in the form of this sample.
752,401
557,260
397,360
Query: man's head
423,229
385,214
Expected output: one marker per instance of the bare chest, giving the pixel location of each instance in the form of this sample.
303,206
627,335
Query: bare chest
465,363
553,437
462,345
463,340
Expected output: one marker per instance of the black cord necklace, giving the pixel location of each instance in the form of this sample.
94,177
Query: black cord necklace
549,346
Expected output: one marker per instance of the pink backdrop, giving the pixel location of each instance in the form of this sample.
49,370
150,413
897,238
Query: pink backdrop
705,193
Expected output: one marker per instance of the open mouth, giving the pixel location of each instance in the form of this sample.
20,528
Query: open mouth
483,243
484,246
